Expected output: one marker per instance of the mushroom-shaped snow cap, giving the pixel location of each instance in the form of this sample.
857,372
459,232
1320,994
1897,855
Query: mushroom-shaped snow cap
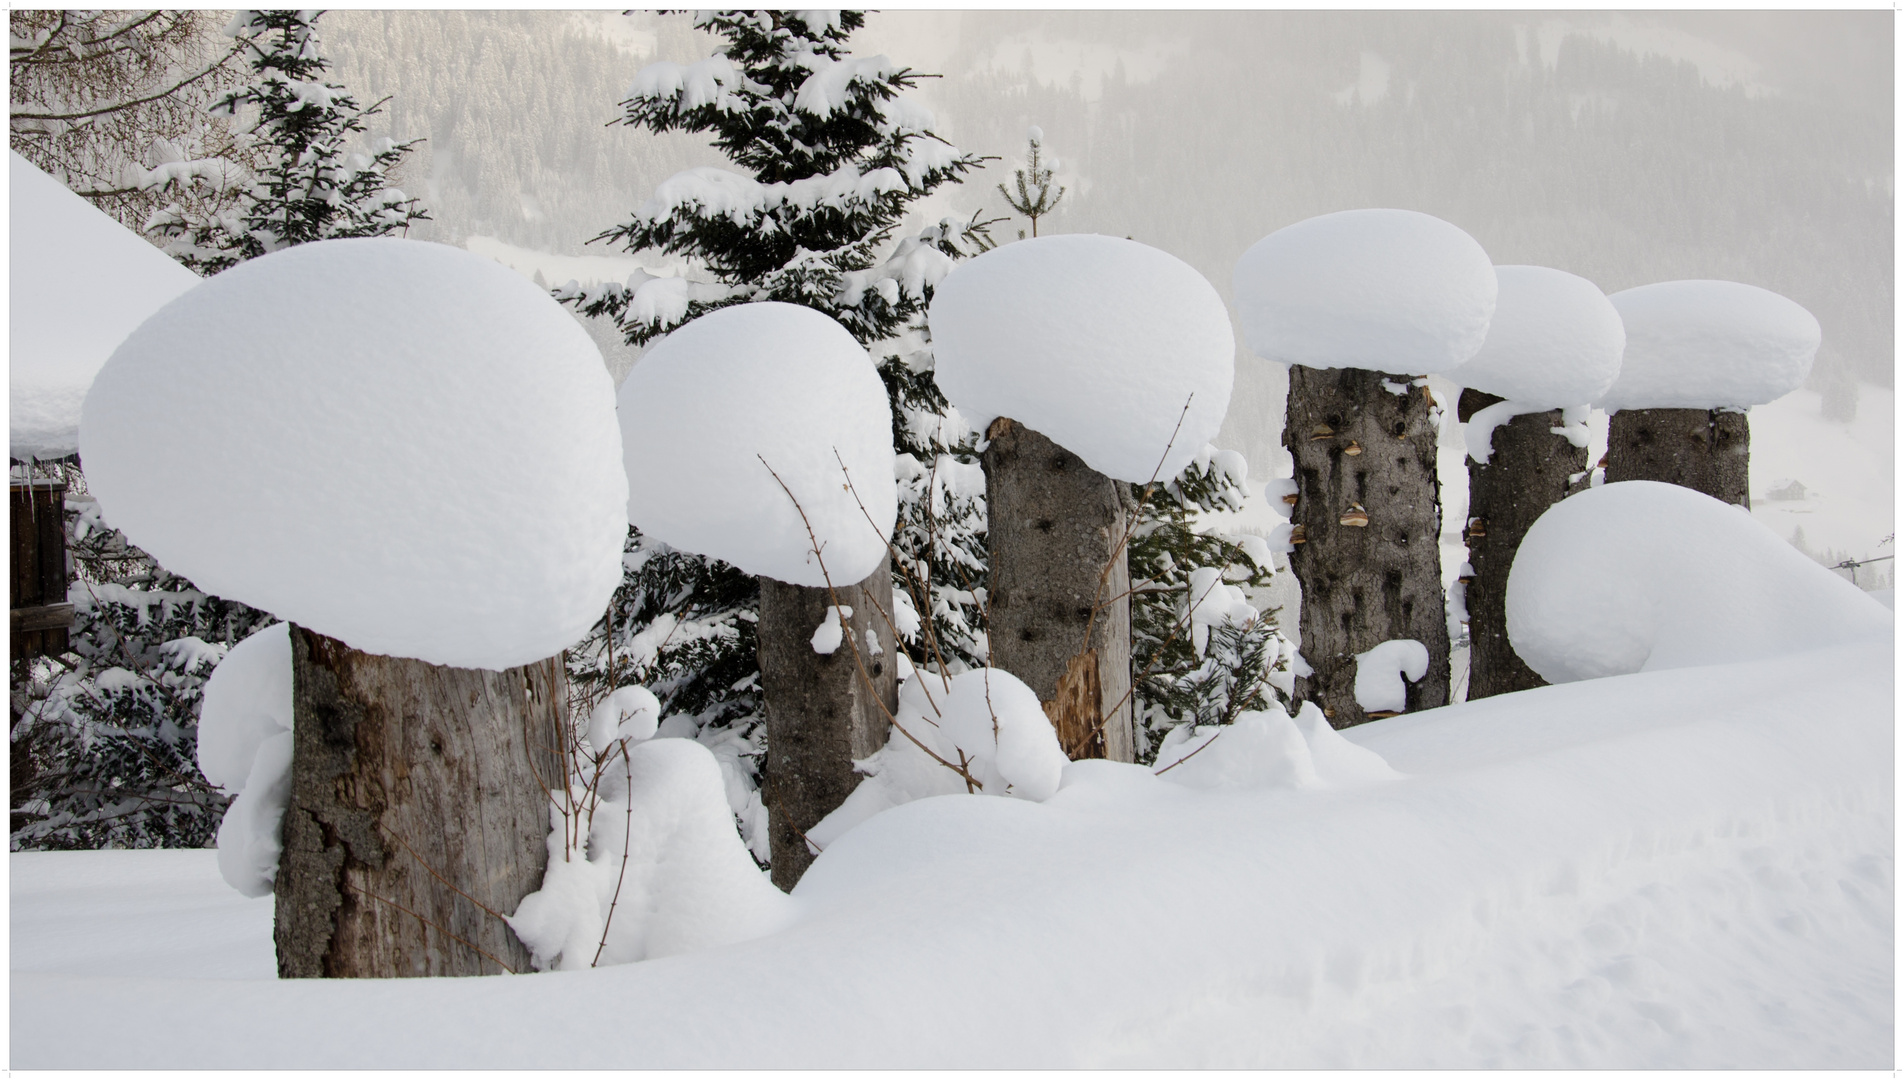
751,425
81,282
1096,342
1709,345
398,444
1555,340
1383,290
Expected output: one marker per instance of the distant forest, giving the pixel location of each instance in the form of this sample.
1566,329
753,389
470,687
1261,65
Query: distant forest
1620,167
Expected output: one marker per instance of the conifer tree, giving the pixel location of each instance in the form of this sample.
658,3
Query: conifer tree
831,155
1242,665
309,187
104,738
1034,198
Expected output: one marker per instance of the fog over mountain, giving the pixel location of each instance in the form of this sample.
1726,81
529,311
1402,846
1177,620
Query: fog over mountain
1625,147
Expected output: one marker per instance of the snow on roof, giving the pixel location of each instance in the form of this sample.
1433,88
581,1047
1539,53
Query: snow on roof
395,443
1096,342
1384,290
81,282
1642,576
1555,340
1708,344
715,405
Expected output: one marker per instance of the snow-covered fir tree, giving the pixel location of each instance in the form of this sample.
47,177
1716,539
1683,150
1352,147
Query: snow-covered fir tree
831,153
311,186
1199,653
104,737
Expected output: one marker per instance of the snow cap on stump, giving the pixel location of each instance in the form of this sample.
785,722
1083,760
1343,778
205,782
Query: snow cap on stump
716,404
81,283
1095,342
394,443
1382,290
1640,576
1709,345
1555,340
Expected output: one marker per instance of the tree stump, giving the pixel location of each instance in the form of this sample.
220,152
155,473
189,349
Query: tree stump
419,812
1368,507
821,713
1059,600
1530,469
1706,450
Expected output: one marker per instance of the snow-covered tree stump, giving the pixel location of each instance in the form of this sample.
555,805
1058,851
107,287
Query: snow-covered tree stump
1698,354
1707,450
1060,603
1092,363
825,710
1530,469
1554,343
419,806
1368,507
1341,298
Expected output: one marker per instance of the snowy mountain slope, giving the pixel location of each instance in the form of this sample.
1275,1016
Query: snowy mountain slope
1688,868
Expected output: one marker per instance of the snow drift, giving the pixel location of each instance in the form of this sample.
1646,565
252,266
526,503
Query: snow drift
398,444
244,747
1643,576
1555,340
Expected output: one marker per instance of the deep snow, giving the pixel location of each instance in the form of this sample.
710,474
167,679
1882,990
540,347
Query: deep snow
1676,868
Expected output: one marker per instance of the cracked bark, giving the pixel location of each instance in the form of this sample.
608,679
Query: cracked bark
417,801
1052,525
1355,442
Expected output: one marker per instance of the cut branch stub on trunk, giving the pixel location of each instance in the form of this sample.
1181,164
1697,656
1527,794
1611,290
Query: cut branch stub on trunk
416,792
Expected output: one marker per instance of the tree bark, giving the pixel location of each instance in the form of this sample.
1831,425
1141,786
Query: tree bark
1530,469
1059,600
1359,445
821,712
419,812
1704,449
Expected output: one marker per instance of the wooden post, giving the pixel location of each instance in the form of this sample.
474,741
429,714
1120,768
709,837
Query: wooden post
419,812
1368,507
1059,619
821,712
1529,470
40,616
1706,450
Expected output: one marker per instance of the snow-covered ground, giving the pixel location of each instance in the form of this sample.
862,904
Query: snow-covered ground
1684,868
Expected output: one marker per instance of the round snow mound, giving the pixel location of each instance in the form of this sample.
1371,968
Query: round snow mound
1640,576
397,444
1710,344
1383,290
1555,340
715,410
1095,342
